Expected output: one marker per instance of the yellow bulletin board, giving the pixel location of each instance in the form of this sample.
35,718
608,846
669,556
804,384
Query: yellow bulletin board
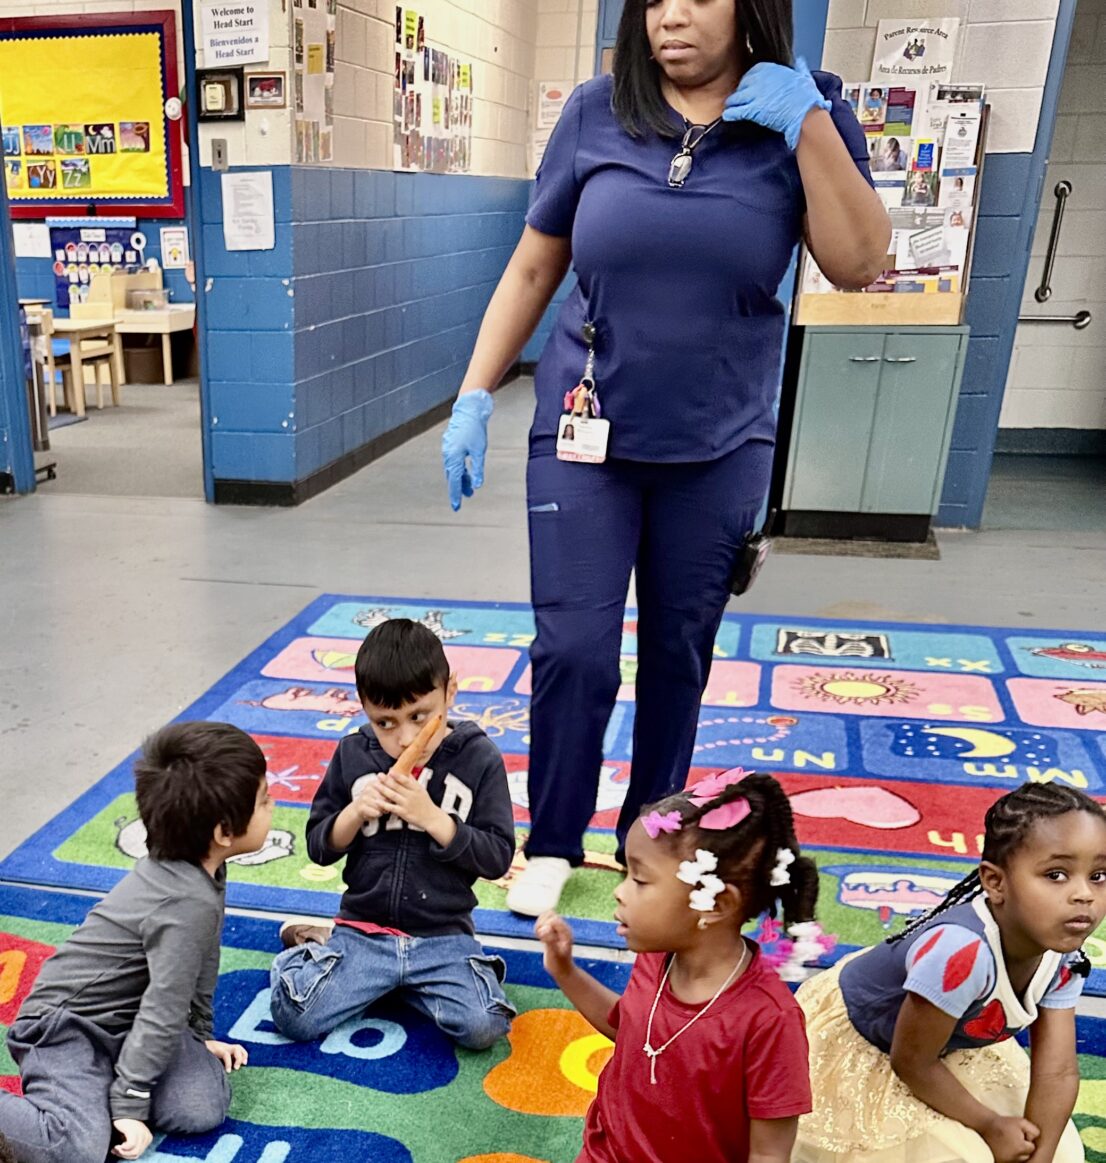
82,111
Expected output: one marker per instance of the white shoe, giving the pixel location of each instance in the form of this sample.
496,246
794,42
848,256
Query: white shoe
303,930
539,885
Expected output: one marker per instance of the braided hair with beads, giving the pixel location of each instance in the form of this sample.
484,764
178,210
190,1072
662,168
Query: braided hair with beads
1007,824
748,851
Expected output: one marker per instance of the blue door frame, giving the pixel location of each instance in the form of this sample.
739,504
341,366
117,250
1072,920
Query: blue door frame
1009,204
14,416
195,222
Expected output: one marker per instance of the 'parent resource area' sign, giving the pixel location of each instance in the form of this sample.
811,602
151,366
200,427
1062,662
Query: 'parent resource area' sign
235,32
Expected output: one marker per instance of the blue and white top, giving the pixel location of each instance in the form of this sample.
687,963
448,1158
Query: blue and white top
681,283
956,963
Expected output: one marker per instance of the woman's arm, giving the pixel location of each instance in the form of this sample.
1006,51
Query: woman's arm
536,269
1053,1079
921,1034
847,228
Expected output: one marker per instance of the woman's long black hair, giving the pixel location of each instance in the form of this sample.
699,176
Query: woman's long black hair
765,32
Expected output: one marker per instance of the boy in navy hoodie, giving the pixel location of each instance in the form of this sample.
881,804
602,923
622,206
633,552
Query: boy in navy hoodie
414,846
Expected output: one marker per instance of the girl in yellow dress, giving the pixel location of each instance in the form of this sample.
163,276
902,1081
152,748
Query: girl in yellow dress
911,1051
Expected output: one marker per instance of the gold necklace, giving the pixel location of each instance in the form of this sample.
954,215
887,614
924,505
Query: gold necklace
652,1054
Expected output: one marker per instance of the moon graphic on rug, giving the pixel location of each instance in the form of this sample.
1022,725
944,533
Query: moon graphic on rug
984,744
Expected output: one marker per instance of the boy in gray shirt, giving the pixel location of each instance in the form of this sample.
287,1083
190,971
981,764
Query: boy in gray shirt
115,1036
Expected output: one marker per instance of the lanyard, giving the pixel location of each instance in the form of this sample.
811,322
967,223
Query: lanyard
682,163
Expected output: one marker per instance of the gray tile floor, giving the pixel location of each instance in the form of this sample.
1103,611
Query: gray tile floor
1047,492
116,612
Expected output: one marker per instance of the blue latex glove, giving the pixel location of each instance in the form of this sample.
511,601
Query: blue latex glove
465,437
776,97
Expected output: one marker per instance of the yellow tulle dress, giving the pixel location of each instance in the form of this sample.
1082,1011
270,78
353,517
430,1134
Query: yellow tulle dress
864,1113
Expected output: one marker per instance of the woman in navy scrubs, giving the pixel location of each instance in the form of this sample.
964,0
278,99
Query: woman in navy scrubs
678,260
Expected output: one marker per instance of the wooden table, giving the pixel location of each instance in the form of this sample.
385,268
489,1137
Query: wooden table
76,331
179,317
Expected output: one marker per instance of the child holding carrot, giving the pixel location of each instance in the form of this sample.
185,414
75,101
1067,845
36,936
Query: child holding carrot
419,807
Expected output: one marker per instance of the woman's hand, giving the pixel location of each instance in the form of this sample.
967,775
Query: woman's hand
465,439
776,97
1011,1140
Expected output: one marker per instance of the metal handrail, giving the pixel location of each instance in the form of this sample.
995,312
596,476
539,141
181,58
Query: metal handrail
1044,292
1079,320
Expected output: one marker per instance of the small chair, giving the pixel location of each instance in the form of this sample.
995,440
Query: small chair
95,352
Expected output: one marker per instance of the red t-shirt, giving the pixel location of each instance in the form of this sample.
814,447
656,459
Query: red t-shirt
744,1059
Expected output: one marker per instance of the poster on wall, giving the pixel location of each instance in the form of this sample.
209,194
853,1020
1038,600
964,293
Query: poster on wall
921,51
87,247
433,95
102,137
314,59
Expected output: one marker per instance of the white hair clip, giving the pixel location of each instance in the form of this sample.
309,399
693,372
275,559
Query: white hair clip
699,873
780,875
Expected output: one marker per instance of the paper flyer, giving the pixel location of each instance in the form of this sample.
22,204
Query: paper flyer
552,96
961,139
958,190
890,155
248,216
907,50
945,99
904,103
873,108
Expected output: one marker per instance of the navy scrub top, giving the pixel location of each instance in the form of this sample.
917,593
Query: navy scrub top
681,283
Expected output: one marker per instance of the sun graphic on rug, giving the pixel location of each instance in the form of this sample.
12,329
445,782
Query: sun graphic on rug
860,688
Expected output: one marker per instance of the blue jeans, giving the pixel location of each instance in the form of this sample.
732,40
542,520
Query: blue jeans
449,979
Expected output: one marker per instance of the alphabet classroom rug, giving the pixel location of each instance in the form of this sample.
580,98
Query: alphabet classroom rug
892,740
388,1086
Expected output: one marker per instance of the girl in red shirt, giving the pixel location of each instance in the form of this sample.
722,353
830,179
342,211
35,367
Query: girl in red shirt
710,1055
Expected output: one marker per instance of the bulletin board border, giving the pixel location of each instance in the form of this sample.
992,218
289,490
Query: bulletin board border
163,22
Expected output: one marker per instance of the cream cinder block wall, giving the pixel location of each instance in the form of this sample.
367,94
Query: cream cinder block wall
265,137
566,40
1004,44
1058,375
497,36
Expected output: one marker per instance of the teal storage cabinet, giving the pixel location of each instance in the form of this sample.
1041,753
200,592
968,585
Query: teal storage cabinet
873,417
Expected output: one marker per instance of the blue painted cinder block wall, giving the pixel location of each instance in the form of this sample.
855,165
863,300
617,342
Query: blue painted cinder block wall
362,318
999,266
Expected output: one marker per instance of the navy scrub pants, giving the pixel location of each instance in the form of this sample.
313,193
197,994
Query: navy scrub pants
679,526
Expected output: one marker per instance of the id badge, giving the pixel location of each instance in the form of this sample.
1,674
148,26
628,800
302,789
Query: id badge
583,439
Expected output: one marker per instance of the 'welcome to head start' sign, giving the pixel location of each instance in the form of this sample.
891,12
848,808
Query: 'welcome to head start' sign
235,32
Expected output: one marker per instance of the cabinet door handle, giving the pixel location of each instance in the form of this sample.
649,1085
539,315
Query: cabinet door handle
863,359
900,359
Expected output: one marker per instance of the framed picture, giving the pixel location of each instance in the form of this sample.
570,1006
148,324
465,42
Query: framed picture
266,91
220,95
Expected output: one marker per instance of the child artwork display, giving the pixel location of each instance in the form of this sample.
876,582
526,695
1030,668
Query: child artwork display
314,63
433,103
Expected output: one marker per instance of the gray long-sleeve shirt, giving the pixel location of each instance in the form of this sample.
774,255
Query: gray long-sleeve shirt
144,963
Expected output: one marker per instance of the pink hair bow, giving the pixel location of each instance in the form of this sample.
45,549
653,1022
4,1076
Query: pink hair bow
713,786
654,823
